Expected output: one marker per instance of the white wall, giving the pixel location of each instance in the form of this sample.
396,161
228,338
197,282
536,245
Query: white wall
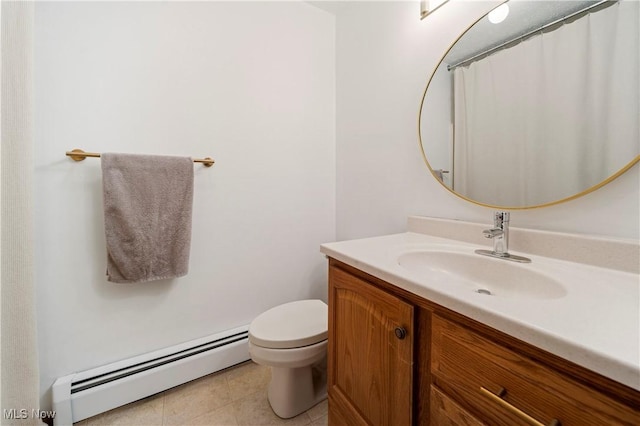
249,84
384,58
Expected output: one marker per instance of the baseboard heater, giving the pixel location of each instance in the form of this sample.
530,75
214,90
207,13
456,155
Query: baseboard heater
88,393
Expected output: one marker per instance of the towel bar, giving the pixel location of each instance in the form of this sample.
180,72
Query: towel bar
79,155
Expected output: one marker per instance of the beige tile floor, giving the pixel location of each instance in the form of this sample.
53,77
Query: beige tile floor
233,397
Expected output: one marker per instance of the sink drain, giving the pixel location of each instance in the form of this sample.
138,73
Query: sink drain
483,291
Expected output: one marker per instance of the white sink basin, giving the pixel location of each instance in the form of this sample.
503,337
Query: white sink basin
484,275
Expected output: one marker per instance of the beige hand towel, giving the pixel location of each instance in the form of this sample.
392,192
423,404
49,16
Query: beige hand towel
148,201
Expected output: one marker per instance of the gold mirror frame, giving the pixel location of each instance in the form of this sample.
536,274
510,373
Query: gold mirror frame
611,178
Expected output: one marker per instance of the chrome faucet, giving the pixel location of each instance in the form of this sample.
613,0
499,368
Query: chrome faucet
499,233
500,236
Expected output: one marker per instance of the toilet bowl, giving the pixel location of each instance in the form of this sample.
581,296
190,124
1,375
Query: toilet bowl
292,340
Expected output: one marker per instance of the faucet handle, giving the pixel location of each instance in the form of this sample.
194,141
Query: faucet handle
492,233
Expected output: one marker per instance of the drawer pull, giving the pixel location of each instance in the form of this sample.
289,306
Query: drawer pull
516,411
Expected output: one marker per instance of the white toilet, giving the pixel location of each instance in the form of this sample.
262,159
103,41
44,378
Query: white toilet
292,340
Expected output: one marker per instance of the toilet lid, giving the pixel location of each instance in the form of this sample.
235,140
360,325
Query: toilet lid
291,325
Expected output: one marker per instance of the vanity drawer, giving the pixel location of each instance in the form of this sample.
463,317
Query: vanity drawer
502,387
446,412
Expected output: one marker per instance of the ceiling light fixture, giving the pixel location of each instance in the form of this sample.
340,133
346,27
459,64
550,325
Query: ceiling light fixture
499,14
428,6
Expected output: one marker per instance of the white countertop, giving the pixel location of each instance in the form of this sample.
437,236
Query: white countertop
596,324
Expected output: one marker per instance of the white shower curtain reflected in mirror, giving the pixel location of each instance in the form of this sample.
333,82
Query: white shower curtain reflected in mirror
550,94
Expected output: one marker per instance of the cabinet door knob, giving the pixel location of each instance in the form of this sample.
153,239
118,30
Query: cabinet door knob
401,333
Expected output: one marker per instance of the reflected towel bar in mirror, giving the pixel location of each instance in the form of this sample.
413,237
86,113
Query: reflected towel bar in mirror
79,155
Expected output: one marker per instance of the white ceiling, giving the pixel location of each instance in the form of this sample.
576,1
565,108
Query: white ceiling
524,16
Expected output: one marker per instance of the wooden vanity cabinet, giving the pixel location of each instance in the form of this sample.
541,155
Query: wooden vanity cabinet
398,359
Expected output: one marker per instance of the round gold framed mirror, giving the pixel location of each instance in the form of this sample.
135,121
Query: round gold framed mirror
538,108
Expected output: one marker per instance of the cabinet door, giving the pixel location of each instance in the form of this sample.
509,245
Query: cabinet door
370,353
